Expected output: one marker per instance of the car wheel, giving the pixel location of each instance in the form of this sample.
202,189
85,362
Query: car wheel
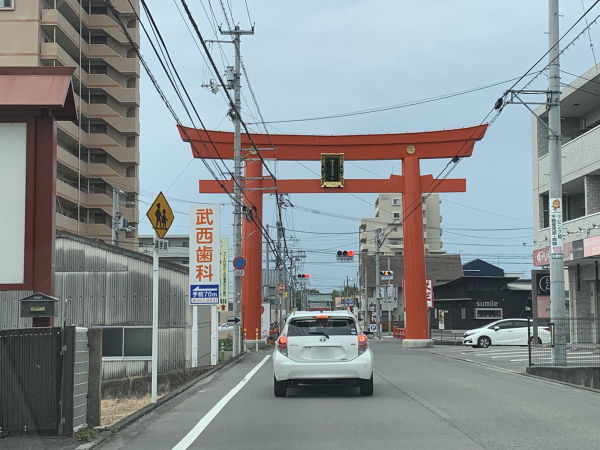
532,340
279,388
484,342
366,387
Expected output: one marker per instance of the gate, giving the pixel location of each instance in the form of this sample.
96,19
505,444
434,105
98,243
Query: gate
30,380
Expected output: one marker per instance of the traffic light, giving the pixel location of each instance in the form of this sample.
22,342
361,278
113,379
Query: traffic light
303,276
386,275
345,256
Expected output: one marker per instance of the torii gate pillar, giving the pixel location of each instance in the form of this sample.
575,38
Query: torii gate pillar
410,148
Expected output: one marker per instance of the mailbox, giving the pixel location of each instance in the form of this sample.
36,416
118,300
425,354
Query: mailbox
39,305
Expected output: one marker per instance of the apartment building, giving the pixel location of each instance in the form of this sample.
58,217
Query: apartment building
580,120
98,155
388,217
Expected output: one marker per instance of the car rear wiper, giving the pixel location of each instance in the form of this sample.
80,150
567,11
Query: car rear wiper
319,332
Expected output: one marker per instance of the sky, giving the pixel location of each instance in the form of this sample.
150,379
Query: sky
314,58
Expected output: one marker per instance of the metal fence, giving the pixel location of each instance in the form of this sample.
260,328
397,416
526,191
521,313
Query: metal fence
80,385
582,342
30,380
446,337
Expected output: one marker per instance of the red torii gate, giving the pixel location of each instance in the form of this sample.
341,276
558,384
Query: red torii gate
410,148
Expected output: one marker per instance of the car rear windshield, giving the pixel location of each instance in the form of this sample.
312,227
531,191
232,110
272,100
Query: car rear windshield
330,326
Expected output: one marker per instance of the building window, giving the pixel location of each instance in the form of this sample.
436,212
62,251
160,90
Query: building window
98,128
98,69
98,10
398,253
488,313
98,40
396,241
396,215
7,4
396,202
127,342
395,229
98,99
463,313
184,244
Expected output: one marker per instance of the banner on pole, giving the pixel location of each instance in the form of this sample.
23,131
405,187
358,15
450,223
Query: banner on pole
556,237
205,255
224,270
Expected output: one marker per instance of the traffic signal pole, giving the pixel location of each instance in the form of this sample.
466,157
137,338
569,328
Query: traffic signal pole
377,282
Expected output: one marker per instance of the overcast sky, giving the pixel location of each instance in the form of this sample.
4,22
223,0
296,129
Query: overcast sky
317,58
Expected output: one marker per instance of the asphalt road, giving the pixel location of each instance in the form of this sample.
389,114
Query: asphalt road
424,399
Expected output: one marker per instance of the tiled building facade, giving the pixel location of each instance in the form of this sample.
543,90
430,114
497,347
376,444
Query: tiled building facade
98,154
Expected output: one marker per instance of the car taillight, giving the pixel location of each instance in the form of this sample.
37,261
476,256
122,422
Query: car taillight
547,328
363,343
282,345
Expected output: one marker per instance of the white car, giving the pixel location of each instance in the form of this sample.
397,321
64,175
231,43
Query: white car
322,347
505,332
225,327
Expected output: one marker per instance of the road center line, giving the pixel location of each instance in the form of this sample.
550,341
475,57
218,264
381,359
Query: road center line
207,419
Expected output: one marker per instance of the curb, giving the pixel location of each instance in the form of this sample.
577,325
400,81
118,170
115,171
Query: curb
134,417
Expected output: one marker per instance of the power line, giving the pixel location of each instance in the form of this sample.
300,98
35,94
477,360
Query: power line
392,107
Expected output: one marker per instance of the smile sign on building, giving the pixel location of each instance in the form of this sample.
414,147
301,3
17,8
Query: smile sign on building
205,255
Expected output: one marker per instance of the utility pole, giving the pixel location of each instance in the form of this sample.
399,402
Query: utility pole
557,280
237,181
377,281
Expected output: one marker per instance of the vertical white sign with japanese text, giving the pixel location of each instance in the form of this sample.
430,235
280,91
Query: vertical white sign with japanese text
556,238
205,255
224,271
429,292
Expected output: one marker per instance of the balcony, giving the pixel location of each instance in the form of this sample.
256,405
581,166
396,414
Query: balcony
113,29
68,224
68,159
114,89
99,230
128,125
579,158
69,192
113,148
128,66
124,7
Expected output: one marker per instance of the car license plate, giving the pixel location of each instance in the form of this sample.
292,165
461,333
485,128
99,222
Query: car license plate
322,353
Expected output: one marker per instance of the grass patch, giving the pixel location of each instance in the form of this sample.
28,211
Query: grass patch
86,434
114,410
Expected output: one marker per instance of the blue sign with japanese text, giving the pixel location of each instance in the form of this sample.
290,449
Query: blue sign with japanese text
204,294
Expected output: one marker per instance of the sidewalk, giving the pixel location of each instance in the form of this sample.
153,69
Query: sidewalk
38,443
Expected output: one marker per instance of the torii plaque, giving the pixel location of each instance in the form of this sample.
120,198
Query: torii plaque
410,148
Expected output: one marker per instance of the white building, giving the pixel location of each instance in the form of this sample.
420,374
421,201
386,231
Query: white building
388,217
580,120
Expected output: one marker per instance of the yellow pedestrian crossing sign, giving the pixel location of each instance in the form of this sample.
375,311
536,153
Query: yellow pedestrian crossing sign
160,215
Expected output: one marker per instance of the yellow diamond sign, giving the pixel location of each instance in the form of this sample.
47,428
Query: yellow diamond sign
160,215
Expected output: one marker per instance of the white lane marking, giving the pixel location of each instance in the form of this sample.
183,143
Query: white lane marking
207,419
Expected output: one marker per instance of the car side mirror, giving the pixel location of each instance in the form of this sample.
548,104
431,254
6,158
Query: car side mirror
496,328
273,337
370,335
